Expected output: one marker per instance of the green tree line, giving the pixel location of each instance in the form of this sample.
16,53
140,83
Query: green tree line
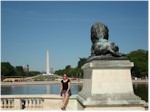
8,70
73,72
139,57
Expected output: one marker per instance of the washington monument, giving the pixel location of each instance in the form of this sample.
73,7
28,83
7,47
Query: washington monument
47,64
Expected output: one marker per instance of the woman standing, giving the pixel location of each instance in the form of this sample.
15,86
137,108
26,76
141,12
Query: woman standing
65,90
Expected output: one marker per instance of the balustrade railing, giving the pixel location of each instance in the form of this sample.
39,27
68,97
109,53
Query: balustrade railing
7,103
35,102
32,103
39,102
14,103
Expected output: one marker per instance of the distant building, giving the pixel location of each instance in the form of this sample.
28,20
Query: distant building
26,69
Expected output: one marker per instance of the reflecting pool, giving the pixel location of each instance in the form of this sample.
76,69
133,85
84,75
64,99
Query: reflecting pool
139,89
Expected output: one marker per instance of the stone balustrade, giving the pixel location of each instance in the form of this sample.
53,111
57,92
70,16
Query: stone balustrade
32,103
7,103
49,102
36,102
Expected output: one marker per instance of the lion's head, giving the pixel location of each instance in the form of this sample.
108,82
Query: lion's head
99,31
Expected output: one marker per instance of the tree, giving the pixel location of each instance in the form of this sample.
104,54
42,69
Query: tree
70,72
68,67
60,72
19,71
79,72
81,62
140,59
33,73
73,72
7,69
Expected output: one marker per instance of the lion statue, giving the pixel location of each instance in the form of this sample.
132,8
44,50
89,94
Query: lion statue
100,44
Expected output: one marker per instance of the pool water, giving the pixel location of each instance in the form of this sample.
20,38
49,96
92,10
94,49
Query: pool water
139,89
37,89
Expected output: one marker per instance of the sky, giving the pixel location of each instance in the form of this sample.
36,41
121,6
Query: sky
28,29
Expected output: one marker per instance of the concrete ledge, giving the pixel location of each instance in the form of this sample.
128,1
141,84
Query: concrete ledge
101,64
50,96
114,108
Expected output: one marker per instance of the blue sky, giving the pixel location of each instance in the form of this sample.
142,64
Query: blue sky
30,28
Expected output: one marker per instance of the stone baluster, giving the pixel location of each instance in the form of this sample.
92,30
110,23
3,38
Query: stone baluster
33,103
36,105
26,103
12,103
29,103
8,103
4,103
36,100
40,103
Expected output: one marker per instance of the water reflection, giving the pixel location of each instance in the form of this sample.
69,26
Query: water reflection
47,89
141,90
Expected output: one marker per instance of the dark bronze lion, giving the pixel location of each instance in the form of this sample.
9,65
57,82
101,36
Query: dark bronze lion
100,43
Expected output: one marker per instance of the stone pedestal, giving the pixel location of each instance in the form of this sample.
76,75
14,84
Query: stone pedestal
108,83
